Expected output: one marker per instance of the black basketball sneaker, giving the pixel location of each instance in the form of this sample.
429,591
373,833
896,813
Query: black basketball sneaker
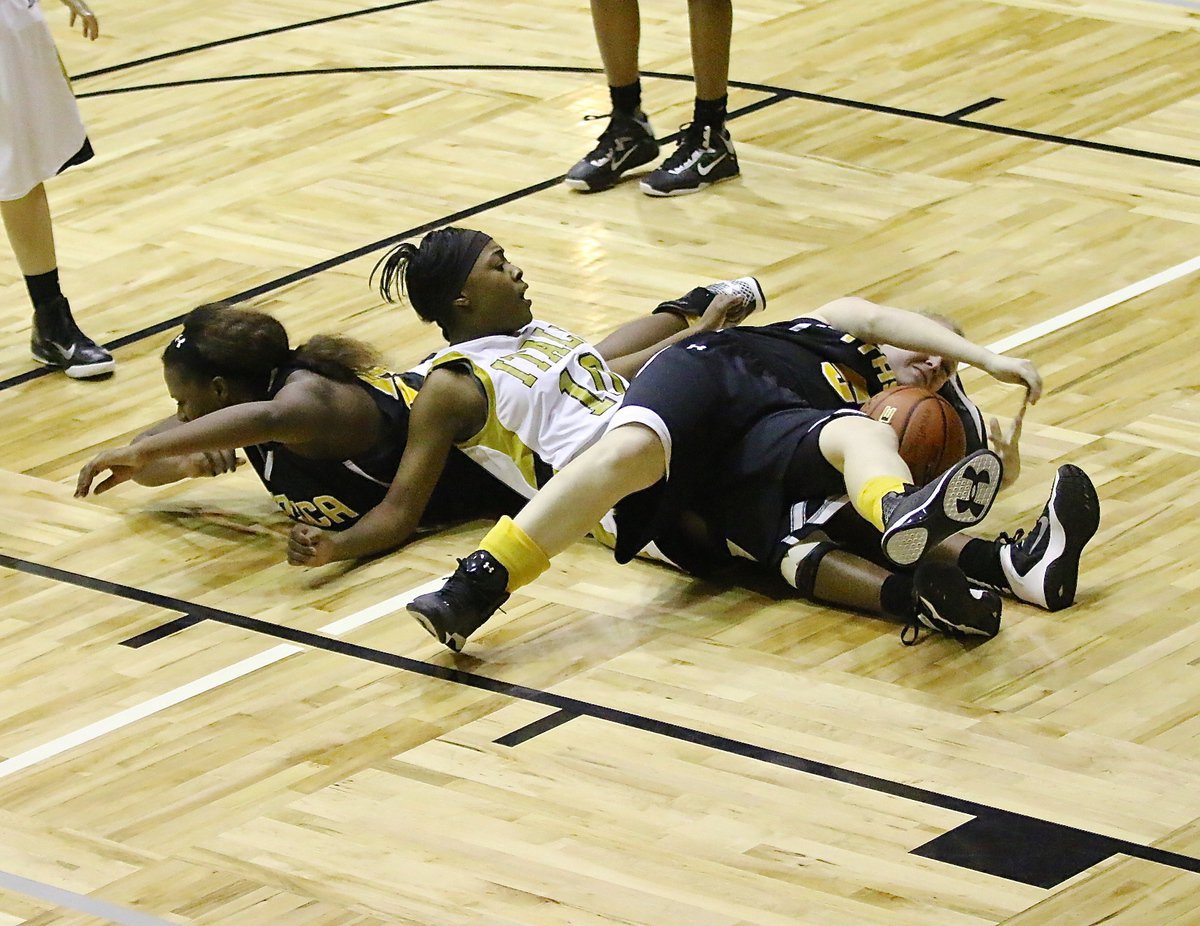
703,157
626,143
1042,566
917,520
460,607
57,342
946,601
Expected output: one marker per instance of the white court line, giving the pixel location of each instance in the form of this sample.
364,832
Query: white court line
275,654
208,682
1096,306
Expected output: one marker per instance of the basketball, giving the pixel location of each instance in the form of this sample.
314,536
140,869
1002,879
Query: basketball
931,434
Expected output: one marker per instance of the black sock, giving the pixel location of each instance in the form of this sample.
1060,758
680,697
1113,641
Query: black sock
710,112
627,99
896,595
43,288
980,560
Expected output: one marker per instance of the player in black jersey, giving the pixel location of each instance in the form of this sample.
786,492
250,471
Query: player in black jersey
778,404
323,425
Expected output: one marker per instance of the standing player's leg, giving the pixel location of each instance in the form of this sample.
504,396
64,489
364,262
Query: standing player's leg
56,340
628,140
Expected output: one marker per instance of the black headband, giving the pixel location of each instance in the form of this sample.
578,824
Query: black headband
436,275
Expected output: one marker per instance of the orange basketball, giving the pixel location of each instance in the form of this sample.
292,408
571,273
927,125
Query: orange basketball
931,433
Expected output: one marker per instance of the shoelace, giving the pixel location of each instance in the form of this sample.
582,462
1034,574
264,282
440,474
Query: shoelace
607,137
915,627
461,585
689,140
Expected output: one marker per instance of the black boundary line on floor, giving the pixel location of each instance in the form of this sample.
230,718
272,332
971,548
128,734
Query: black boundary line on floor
974,108
182,622
537,728
954,119
312,270
598,712
242,38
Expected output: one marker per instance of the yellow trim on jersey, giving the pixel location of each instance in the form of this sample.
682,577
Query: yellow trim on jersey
389,383
493,435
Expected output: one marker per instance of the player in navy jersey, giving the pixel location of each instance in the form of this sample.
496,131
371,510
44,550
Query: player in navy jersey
746,406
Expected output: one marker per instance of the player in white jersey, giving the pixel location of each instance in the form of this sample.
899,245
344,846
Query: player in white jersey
549,396
520,397
41,134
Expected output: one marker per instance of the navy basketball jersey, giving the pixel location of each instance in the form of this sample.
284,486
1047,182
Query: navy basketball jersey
334,494
824,366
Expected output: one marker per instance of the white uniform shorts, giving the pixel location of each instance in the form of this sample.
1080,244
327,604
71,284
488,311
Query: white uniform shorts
40,126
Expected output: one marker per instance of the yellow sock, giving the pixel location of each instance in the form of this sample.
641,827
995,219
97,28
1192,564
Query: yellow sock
870,498
517,552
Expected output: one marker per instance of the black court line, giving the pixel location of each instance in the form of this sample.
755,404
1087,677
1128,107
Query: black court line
953,119
245,37
607,714
162,630
361,251
538,727
974,107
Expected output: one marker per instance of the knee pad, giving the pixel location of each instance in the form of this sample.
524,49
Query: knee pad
801,561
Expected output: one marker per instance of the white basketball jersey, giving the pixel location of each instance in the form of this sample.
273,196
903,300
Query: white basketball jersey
550,396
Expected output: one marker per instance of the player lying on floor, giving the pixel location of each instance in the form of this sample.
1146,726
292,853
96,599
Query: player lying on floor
326,428
770,410
520,397
830,554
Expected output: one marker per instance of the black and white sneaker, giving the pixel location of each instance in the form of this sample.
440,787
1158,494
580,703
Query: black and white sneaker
705,156
694,304
947,602
1042,566
919,519
461,606
58,342
628,142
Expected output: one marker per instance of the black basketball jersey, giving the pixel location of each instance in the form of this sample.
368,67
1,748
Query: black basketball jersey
334,494
824,366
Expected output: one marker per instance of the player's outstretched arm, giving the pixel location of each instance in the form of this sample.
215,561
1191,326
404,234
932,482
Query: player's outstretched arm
449,407
294,415
882,324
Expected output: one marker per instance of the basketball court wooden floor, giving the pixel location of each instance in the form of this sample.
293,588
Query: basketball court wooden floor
191,732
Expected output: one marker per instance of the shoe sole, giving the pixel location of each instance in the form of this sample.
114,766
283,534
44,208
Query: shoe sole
957,502
1062,575
80,370
650,191
760,302
451,642
577,183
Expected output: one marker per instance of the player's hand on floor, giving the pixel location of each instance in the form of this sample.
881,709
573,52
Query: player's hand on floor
1019,372
123,464
79,10
1007,444
309,546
